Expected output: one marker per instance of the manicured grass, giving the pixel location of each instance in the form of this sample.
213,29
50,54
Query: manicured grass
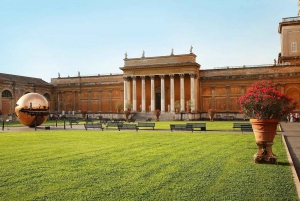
146,165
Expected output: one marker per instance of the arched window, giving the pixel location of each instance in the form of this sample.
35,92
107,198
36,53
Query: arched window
47,96
6,94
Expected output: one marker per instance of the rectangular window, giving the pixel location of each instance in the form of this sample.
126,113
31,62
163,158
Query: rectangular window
294,46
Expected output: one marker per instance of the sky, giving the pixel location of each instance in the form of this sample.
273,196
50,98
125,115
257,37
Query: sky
41,38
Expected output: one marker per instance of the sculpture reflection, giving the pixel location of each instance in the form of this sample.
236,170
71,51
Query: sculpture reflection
32,109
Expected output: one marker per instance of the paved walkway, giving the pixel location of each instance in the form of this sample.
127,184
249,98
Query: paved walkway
291,132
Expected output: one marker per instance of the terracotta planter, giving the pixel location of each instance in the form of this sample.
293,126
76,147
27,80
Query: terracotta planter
211,117
157,117
264,132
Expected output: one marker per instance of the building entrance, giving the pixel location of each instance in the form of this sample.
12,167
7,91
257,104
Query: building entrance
157,101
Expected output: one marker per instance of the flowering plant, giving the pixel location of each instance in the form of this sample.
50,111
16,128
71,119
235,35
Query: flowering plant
211,111
157,112
264,101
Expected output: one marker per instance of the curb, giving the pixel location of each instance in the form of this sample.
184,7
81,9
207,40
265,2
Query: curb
295,176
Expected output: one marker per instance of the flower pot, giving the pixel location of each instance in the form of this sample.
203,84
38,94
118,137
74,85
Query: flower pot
264,132
211,117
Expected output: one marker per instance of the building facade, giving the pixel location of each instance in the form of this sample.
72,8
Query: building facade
163,82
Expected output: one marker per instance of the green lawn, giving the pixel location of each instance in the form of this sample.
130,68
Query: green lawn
144,165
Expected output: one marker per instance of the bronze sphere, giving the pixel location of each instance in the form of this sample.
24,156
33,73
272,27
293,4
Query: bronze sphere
32,109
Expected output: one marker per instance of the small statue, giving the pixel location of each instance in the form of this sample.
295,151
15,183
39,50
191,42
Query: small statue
299,7
78,74
143,55
58,75
172,52
191,49
275,62
125,55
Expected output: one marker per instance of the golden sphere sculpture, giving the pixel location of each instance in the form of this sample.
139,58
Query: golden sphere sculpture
32,109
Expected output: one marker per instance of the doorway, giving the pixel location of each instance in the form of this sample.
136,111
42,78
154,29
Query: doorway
157,101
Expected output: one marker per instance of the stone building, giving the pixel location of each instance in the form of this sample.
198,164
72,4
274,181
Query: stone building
163,82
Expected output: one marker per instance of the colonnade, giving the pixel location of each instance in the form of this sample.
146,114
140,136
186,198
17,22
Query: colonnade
128,87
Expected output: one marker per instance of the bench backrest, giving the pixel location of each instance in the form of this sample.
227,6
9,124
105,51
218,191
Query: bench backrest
114,123
146,124
197,124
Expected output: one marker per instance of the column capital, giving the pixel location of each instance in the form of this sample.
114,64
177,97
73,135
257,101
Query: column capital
161,76
193,75
181,75
143,77
152,76
227,86
126,78
171,75
212,87
133,77
110,90
243,86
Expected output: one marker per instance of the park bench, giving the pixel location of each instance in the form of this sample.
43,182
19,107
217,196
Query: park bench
73,121
119,120
149,119
246,128
238,125
181,127
128,127
151,125
201,126
92,125
113,124
89,121
131,120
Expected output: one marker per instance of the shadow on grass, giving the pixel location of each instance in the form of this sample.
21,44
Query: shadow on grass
283,163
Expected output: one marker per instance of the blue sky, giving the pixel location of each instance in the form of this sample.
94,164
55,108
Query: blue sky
39,38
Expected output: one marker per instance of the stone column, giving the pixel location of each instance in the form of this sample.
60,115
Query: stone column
89,101
1,90
172,96
57,102
100,100
143,94
79,101
162,91
63,101
182,100
192,93
282,88
242,90
73,103
110,99
227,98
212,96
134,93
152,93
125,92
